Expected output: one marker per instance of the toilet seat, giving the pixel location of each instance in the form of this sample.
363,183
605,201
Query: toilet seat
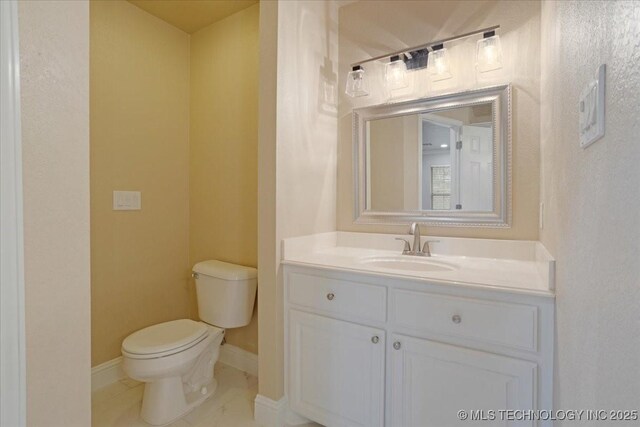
165,339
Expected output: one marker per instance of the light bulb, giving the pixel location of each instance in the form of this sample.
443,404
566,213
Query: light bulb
438,64
489,53
357,84
396,73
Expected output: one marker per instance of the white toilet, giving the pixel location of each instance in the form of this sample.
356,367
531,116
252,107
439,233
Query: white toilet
175,359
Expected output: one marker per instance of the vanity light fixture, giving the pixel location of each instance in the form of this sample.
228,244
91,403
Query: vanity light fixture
395,72
489,52
438,63
357,84
444,145
416,59
433,56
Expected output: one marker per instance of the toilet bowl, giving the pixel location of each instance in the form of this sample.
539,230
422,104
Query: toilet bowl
175,359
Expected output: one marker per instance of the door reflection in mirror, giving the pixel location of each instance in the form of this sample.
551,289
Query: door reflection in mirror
440,160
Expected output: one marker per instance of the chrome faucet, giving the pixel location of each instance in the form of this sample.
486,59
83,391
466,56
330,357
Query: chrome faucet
416,250
415,230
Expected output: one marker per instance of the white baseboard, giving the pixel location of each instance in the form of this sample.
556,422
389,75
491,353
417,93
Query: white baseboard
271,413
268,412
106,373
238,358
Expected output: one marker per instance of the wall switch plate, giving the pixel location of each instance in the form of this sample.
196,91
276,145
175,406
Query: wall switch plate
127,201
591,109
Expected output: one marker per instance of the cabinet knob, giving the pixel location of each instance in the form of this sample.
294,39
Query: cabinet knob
375,339
397,345
330,296
456,318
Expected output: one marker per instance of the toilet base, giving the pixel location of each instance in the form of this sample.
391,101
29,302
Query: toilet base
175,404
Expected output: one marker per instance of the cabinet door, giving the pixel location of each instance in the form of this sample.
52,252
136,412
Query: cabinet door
431,382
336,371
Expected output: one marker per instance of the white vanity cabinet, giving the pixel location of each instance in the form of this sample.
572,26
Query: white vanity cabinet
431,382
367,349
337,370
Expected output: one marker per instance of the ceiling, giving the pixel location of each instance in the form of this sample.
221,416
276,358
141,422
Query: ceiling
192,15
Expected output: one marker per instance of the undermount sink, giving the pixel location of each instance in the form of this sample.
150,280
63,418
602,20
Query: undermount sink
407,263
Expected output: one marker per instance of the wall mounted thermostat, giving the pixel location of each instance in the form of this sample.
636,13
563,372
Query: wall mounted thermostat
591,109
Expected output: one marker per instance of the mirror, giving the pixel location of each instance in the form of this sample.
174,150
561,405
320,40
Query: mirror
443,161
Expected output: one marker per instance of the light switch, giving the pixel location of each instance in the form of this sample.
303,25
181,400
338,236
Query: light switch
591,109
127,201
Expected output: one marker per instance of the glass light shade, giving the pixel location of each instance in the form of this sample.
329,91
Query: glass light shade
396,74
438,65
357,84
489,54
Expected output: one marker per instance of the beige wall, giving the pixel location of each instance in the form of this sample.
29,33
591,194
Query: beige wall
139,141
297,158
224,148
370,28
54,61
592,202
393,155
386,157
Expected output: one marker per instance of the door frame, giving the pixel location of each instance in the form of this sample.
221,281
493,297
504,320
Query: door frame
12,331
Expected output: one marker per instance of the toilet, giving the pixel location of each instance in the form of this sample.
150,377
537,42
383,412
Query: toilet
175,359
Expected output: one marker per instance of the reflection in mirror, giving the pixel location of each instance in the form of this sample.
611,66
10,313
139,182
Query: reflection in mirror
441,160
444,160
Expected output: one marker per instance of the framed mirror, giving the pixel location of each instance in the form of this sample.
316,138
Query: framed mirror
439,161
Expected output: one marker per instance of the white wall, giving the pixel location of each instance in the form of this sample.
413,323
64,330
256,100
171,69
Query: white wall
592,202
371,28
297,158
54,61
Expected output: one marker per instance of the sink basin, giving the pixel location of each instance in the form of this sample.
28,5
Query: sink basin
407,263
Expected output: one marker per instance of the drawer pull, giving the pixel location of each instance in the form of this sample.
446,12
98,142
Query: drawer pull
375,339
456,318
397,345
330,296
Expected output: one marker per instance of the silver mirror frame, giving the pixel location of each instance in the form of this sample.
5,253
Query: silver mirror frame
500,217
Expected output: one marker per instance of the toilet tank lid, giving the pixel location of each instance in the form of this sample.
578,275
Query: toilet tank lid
225,270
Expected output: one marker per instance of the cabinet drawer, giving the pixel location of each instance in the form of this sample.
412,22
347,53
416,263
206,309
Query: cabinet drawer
349,299
506,324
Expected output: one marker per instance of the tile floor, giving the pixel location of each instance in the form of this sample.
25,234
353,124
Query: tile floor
118,405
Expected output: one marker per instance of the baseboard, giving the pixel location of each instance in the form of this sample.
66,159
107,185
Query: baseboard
268,412
106,373
238,358
271,413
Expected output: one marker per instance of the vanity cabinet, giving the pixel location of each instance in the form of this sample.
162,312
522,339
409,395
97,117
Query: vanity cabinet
375,350
431,382
336,370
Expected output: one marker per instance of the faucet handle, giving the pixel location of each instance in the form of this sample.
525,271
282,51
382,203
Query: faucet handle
426,249
407,245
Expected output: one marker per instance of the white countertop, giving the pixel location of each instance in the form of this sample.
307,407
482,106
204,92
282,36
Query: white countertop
509,265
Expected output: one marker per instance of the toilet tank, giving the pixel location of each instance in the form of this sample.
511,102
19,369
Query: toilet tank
226,293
